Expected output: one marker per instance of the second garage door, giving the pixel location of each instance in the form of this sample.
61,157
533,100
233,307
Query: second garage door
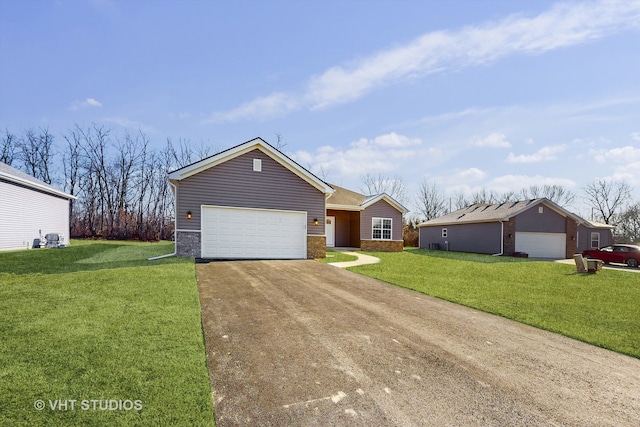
542,245
240,233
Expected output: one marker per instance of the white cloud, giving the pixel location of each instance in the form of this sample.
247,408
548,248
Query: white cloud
635,136
274,105
469,176
563,25
382,154
516,183
544,154
87,103
390,140
494,140
618,155
625,162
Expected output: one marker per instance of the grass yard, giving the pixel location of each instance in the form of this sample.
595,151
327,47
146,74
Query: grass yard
335,256
601,309
98,324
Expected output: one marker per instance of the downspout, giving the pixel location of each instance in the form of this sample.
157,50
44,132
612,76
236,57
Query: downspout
175,225
501,240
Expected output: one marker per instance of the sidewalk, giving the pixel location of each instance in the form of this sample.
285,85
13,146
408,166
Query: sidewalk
362,259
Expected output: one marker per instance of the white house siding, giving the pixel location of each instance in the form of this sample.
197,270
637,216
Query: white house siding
24,213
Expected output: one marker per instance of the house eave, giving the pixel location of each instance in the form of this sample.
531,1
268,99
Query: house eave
387,199
344,207
35,186
448,223
256,143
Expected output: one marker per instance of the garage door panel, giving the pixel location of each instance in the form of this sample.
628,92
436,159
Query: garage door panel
253,233
542,245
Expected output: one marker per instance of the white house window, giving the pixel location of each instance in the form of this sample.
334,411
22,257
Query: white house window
257,165
381,228
595,240
444,233
540,209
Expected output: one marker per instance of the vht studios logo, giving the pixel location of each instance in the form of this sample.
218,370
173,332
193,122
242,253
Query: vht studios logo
88,405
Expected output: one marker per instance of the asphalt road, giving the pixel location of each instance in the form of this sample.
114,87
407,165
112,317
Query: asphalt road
299,343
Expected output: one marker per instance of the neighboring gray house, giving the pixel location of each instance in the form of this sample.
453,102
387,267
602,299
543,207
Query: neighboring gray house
537,227
30,209
254,202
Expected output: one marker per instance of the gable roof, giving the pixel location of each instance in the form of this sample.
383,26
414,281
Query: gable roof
11,174
484,212
343,199
238,150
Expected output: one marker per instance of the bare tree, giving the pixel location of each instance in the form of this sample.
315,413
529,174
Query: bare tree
379,184
484,196
35,151
184,153
608,197
8,147
556,193
280,144
628,224
71,168
458,200
430,201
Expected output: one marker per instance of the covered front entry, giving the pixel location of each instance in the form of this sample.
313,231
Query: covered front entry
542,245
241,233
346,225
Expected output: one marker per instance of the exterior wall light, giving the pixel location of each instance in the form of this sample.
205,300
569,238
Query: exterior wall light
189,215
315,221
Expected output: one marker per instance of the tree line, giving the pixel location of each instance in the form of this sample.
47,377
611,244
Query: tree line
119,180
610,202
120,183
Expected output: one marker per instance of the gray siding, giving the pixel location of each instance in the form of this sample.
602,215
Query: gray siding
584,237
546,222
234,183
481,238
380,209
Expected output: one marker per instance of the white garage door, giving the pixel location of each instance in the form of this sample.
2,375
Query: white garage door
542,245
241,233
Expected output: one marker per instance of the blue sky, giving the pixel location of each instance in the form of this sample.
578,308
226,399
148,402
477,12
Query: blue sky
469,94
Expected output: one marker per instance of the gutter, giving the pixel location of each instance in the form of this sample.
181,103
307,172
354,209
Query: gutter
175,241
501,240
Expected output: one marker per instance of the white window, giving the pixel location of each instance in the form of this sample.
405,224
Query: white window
540,209
257,165
381,228
444,233
595,240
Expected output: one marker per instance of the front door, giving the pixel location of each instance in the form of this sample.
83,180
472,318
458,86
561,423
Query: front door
330,231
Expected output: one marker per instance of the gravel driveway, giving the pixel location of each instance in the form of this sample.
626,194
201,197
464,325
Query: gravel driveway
299,343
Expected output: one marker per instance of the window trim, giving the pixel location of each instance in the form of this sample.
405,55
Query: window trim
382,228
594,233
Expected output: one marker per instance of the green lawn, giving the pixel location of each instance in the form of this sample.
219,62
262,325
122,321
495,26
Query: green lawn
334,256
601,309
99,324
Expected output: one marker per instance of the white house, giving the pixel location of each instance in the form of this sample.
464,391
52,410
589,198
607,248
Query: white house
30,209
